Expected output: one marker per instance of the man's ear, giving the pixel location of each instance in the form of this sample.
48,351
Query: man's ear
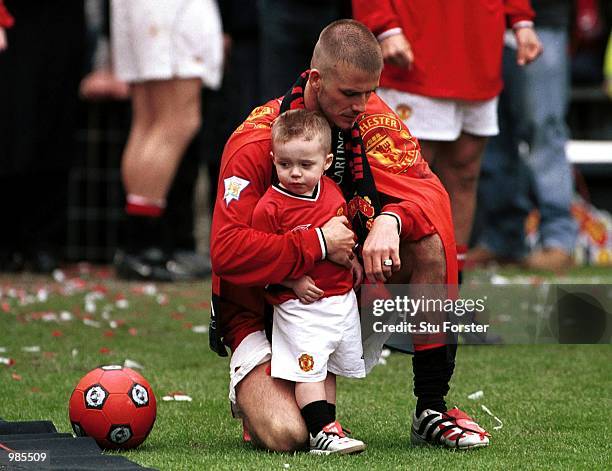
314,78
328,161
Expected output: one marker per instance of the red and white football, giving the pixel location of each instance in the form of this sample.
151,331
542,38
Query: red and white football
114,405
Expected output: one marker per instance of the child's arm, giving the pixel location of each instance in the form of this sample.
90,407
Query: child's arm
305,289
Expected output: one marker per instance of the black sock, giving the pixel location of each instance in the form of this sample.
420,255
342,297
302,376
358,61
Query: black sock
433,369
316,415
332,410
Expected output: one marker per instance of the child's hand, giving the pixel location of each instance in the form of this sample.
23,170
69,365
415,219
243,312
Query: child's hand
305,289
357,272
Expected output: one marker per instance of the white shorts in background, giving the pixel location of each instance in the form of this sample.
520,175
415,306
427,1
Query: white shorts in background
254,350
308,340
440,119
160,40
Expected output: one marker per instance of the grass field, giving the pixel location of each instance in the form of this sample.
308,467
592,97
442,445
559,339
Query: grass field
554,400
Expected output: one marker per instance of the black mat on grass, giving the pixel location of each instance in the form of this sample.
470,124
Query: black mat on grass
65,451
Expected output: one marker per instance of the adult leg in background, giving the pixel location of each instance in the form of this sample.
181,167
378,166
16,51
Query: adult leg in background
546,95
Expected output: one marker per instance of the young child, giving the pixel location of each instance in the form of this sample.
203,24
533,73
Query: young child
316,332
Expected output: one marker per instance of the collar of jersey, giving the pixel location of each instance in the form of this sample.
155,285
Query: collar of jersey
290,194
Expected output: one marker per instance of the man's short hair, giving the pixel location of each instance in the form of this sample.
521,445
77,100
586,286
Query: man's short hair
302,124
349,41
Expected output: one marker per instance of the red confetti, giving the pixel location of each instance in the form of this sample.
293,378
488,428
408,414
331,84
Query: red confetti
16,377
109,333
105,273
100,289
132,331
177,316
34,389
187,325
105,350
49,354
6,307
57,333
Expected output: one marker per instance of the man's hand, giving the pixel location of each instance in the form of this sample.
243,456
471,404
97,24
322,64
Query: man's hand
357,272
3,41
340,241
305,289
528,44
396,50
381,244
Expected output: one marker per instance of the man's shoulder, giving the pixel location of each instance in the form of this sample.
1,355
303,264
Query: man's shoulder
250,142
257,127
260,118
388,142
378,114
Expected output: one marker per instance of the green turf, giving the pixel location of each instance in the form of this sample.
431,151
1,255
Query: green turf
554,401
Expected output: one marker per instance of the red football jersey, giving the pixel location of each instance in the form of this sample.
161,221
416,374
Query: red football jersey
457,44
280,211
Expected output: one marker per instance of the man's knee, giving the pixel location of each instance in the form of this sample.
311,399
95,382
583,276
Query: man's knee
427,259
270,411
280,434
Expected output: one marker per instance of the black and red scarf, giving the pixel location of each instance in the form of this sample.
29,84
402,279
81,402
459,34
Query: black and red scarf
350,168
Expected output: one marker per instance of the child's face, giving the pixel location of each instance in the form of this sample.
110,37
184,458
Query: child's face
300,164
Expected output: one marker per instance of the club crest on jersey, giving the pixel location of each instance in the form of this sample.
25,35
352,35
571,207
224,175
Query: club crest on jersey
233,187
301,227
306,362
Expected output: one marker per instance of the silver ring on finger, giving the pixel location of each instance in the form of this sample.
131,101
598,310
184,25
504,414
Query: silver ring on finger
388,262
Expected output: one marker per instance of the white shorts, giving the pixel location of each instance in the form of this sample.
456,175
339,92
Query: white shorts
254,350
308,340
440,119
167,39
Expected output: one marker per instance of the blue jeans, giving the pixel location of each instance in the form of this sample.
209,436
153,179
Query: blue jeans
532,109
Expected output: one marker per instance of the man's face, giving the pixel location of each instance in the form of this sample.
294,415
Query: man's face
300,164
342,93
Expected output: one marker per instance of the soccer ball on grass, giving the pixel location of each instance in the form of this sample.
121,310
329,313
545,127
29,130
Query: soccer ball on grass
114,405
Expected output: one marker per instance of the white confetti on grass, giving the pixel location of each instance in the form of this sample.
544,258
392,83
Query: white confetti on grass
476,395
132,364
178,397
200,329
31,349
122,303
59,276
149,289
500,424
42,295
91,323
